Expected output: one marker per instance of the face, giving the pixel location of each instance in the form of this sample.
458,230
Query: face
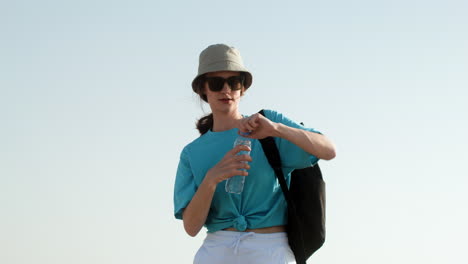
226,99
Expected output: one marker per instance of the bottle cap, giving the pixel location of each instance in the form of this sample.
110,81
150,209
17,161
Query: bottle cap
245,133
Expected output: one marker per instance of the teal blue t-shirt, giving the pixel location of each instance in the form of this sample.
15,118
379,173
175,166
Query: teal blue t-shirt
261,204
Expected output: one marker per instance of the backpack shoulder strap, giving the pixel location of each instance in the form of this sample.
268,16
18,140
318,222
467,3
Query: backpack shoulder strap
273,156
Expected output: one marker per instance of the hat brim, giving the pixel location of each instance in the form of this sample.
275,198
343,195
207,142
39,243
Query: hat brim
223,66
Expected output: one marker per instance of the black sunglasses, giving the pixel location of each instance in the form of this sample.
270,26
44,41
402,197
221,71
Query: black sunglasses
216,84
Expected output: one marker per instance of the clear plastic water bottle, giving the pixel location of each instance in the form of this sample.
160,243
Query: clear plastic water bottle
235,184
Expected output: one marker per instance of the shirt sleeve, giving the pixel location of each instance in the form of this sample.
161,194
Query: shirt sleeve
184,187
292,156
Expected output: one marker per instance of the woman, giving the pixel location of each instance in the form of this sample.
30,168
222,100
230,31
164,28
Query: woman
247,227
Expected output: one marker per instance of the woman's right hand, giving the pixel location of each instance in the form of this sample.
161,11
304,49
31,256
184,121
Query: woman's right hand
196,212
231,165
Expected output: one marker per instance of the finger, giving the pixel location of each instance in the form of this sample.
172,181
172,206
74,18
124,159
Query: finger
245,126
239,165
256,135
256,116
253,121
249,126
237,172
238,149
243,158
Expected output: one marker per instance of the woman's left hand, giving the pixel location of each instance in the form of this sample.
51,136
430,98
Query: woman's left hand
259,126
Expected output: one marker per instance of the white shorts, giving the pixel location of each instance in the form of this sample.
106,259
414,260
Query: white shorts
229,247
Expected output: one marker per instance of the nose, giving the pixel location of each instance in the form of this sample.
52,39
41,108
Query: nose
226,88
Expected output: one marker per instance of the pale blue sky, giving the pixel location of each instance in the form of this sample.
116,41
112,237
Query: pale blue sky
96,105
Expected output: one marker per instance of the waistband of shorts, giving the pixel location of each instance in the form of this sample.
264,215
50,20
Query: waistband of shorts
235,234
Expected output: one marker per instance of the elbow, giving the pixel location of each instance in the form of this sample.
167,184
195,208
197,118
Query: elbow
191,226
329,154
191,233
190,230
325,149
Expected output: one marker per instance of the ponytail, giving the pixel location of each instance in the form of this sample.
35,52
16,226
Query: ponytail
205,123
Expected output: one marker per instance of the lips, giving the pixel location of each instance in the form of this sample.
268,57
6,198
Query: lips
225,100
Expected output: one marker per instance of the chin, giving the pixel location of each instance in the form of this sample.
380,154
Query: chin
227,108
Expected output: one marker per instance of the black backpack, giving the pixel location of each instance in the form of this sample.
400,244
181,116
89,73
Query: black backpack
306,203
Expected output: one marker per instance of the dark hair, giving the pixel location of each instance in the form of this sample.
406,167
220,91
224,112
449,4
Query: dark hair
199,84
206,122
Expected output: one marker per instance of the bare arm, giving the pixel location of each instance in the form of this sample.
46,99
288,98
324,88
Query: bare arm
313,143
196,212
194,215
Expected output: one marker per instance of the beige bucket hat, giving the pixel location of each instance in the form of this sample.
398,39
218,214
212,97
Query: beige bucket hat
220,57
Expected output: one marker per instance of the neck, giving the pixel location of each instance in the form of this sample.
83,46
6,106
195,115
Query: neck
225,121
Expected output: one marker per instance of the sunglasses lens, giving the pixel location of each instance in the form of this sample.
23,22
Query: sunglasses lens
235,82
216,84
